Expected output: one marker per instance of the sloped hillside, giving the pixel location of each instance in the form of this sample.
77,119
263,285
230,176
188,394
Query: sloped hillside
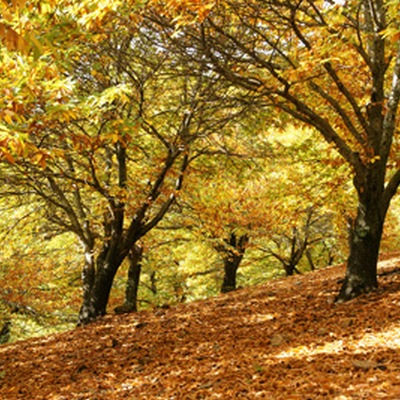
283,340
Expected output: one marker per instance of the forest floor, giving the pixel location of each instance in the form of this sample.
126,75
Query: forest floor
282,340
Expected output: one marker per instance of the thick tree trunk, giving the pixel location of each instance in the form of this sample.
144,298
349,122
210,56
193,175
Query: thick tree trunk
230,269
290,269
132,284
232,261
96,297
365,238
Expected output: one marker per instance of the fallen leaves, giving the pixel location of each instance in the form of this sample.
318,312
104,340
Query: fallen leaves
367,364
248,344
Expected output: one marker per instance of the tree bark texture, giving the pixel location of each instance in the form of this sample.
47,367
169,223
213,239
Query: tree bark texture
232,260
132,284
365,238
96,296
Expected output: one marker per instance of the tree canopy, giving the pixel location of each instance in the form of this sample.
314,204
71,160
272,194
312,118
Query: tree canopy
331,66
238,127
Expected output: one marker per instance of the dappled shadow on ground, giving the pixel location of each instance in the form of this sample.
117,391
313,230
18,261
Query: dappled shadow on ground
283,340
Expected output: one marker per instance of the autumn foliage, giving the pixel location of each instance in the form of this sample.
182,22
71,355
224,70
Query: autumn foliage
187,138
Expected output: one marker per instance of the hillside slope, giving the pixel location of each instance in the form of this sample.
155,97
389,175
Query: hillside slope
282,340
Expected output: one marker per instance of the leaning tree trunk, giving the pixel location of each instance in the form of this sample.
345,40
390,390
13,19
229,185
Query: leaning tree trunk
232,261
365,238
310,260
132,284
97,292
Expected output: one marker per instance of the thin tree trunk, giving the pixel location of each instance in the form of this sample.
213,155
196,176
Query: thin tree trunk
88,276
132,284
310,260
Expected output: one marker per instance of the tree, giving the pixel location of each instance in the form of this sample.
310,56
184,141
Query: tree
111,158
331,66
267,190
233,253
298,237
220,206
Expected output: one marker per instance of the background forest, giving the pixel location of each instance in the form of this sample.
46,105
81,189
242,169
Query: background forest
136,174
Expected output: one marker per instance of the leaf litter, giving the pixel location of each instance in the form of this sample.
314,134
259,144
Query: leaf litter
286,339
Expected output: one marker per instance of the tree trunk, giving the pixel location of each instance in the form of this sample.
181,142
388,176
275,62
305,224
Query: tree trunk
365,237
88,276
230,269
290,268
132,284
310,260
232,261
5,332
96,296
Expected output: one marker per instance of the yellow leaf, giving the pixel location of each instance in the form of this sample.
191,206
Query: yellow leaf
19,3
7,117
12,40
374,159
8,156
